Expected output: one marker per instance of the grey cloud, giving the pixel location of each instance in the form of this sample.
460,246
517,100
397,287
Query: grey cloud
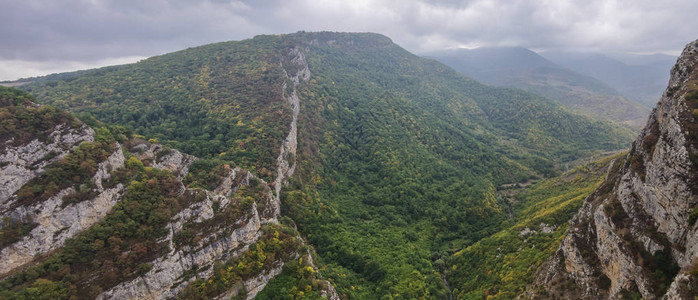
94,30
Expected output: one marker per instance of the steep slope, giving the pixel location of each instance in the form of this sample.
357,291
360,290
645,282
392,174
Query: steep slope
213,101
636,234
396,158
93,213
643,82
33,137
523,68
396,155
498,266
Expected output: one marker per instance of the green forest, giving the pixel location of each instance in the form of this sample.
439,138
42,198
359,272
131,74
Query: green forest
501,265
399,165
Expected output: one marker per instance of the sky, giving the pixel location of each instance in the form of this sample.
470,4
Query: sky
40,37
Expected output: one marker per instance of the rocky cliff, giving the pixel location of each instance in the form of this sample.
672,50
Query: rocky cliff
90,203
54,221
636,235
25,154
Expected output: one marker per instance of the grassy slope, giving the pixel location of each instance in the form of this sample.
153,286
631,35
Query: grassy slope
501,265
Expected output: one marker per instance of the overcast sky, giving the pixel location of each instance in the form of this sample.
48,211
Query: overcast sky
46,36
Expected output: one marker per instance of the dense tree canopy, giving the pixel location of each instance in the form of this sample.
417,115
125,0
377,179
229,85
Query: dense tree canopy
399,157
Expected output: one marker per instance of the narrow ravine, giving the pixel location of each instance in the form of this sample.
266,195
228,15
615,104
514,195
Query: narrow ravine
448,287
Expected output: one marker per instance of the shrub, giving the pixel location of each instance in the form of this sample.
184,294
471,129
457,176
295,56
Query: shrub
604,282
693,216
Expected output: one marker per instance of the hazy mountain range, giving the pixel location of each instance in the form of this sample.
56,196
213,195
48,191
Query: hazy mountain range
325,165
583,90
641,78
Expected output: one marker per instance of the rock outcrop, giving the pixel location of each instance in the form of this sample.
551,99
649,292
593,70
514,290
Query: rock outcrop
24,162
294,60
222,241
636,234
57,222
218,237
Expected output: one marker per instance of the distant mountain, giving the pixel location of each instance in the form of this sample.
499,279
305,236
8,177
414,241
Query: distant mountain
657,59
522,68
642,78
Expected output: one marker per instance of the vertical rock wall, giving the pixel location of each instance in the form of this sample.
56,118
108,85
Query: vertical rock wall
636,234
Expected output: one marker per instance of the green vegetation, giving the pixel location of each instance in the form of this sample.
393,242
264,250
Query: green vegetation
501,265
277,242
221,100
76,170
13,231
117,248
399,157
207,173
297,281
693,216
22,121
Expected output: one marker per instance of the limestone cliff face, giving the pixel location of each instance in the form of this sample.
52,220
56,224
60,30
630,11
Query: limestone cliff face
56,222
24,162
218,243
636,234
219,237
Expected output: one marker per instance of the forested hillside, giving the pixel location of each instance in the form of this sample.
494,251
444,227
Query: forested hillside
501,265
97,213
399,157
641,77
525,69
214,101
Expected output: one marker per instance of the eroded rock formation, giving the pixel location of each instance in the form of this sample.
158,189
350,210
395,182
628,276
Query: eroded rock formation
636,235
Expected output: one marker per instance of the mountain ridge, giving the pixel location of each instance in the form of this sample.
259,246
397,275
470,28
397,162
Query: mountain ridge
522,68
388,144
643,82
